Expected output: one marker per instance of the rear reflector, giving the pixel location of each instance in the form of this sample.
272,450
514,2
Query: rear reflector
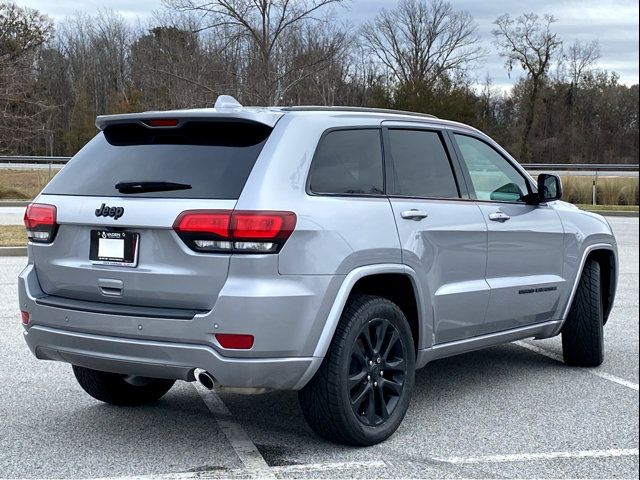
235,231
235,340
161,122
40,222
25,317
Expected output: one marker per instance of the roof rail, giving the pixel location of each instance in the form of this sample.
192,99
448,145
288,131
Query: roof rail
305,108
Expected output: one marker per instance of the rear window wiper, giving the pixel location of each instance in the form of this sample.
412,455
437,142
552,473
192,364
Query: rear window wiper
142,187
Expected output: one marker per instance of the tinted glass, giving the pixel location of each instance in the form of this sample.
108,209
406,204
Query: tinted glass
421,165
215,158
348,162
493,177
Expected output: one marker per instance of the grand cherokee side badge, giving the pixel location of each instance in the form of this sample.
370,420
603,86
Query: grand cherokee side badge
115,212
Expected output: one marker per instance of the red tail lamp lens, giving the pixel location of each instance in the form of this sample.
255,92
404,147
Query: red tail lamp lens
235,340
25,317
262,225
214,222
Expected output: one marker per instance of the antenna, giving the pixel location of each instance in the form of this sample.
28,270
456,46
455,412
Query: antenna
225,102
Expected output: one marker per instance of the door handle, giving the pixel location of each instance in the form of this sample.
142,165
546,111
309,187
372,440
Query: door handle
499,217
414,214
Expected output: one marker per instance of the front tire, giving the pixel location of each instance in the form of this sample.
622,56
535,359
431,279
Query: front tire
122,390
362,390
583,332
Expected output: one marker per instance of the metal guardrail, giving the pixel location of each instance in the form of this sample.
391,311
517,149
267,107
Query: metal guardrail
593,167
33,159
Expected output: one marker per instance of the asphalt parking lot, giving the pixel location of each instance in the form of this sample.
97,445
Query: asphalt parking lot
509,411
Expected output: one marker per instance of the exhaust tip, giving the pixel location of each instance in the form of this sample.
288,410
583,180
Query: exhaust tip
205,379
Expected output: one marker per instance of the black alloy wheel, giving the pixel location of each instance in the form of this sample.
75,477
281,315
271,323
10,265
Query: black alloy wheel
377,372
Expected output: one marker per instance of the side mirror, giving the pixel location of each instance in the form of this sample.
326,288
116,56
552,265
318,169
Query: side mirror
549,187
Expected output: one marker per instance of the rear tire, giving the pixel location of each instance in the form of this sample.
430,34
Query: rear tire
362,390
121,390
583,332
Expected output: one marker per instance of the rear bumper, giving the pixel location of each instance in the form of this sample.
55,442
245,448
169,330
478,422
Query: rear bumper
286,315
164,359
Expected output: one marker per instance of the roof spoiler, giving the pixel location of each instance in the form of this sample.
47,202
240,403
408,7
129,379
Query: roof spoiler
226,107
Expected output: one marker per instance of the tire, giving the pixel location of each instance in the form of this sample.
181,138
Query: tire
583,332
380,401
122,390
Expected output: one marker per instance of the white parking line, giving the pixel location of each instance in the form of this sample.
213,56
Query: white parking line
597,373
527,457
268,472
240,442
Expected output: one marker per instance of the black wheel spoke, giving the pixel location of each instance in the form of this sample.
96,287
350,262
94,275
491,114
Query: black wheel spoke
365,335
371,407
390,344
395,364
381,332
392,385
356,378
360,396
384,410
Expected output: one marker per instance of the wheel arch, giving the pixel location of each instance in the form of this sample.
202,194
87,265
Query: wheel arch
367,279
370,279
608,277
606,255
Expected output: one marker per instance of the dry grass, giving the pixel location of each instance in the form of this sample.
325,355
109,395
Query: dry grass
23,184
12,236
611,190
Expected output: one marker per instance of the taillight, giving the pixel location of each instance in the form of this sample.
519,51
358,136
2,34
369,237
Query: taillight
40,222
235,231
25,317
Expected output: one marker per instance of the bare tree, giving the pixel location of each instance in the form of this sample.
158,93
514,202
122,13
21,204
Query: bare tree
22,32
265,26
580,58
529,42
421,40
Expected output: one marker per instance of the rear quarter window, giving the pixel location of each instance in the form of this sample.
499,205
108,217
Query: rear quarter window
348,162
214,158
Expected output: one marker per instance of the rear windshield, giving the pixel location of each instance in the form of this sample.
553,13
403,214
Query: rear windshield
213,158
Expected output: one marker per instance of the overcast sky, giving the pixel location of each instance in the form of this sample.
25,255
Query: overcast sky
614,23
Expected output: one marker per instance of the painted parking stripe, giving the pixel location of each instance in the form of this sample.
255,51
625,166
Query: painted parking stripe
592,371
268,472
236,436
527,457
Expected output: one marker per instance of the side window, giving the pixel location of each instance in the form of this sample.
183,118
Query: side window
493,177
421,166
348,162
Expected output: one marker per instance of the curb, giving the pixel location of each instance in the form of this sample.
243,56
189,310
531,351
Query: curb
14,203
13,251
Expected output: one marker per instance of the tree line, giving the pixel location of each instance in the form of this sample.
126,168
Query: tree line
420,55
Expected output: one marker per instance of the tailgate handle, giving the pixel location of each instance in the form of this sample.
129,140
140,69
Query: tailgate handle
111,287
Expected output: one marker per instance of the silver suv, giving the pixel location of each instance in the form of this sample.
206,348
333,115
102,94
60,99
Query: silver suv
332,251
